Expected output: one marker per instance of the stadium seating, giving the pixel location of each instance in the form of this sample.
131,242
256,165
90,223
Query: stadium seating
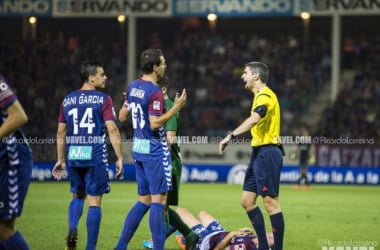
209,66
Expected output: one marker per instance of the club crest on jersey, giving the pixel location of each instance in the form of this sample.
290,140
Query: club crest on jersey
156,105
3,86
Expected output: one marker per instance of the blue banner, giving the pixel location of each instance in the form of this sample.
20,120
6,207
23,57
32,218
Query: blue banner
25,8
235,8
234,174
177,8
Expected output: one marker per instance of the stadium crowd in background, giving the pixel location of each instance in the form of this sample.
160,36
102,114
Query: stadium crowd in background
209,63
356,112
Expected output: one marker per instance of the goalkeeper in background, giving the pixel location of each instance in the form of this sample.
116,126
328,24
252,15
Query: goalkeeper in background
305,153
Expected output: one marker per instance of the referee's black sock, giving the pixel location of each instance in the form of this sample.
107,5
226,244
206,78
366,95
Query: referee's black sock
257,221
278,227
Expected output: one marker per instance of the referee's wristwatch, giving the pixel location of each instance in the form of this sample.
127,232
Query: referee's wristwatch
231,134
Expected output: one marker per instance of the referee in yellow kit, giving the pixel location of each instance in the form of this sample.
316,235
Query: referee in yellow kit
263,172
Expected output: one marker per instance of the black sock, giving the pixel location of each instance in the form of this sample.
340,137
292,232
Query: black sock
299,180
278,227
307,181
177,222
257,221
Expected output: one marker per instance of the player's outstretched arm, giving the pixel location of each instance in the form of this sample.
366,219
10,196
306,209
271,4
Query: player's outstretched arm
226,241
245,126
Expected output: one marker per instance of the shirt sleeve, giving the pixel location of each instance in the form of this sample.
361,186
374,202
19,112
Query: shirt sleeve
156,103
126,102
7,97
263,100
108,110
61,116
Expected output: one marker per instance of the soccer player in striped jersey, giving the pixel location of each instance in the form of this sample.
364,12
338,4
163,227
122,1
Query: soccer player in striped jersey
150,149
172,133
84,118
213,236
263,173
15,167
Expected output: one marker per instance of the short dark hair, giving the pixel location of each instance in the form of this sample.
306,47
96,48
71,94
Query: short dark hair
259,68
89,68
149,58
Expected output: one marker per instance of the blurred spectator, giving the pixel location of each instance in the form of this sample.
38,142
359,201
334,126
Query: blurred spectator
44,70
356,111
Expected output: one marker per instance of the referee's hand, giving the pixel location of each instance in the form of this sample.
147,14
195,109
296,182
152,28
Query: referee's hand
224,143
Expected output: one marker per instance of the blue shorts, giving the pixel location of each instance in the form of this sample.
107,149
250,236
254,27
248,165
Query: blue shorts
263,172
153,177
15,175
93,181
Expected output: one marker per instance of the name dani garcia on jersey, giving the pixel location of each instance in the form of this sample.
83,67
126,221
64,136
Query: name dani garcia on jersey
83,99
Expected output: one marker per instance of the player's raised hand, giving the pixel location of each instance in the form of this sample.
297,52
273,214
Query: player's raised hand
58,170
180,100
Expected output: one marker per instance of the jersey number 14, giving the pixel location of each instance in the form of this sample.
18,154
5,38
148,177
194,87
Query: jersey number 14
86,121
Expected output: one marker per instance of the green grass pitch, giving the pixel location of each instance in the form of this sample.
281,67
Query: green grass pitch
327,213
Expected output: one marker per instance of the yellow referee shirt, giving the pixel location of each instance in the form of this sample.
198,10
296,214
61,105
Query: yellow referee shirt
267,130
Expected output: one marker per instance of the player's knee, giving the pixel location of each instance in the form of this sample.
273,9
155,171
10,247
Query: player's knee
80,195
182,212
247,204
145,199
179,209
202,213
7,228
271,204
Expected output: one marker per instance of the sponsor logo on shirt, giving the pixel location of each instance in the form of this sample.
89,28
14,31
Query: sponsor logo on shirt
80,153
